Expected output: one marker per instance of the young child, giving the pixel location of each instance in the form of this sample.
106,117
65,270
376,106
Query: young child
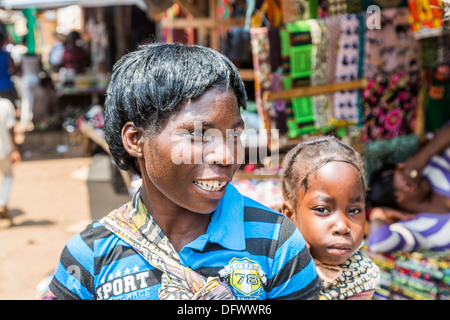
324,190
187,233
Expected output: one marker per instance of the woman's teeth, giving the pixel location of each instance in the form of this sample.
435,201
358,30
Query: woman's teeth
211,185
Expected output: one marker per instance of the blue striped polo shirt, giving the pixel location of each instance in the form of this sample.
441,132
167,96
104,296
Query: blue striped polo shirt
257,251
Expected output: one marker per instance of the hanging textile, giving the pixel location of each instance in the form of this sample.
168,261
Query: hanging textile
294,10
336,8
346,103
390,106
266,65
392,48
390,65
425,14
261,65
296,53
320,103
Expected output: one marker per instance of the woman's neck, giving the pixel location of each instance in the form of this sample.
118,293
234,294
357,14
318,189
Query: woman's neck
181,226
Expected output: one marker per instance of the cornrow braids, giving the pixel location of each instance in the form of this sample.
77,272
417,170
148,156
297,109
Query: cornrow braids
309,156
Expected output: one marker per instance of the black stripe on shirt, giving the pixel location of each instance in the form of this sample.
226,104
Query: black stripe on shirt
61,292
292,267
79,271
311,290
90,234
261,215
116,253
287,229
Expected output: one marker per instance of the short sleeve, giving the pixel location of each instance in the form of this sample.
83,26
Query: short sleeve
296,277
74,276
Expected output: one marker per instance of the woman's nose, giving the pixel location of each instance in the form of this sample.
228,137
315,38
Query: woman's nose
219,152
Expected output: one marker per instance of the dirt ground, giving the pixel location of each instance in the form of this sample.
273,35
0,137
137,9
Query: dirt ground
56,193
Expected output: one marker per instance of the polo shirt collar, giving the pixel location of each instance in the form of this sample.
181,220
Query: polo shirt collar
227,222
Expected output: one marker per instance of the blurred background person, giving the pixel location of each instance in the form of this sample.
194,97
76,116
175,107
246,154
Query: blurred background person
9,153
75,56
7,69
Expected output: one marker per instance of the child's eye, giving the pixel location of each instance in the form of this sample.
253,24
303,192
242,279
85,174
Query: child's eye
321,210
355,211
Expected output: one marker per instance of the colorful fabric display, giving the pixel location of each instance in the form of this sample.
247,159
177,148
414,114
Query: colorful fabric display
346,103
336,8
390,106
320,103
294,10
392,48
413,276
296,52
333,25
266,65
425,14
262,70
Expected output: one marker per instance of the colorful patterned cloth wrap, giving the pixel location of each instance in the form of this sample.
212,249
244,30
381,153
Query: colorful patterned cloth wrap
356,279
137,228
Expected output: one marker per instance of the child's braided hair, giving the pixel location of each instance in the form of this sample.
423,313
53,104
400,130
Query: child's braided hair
309,156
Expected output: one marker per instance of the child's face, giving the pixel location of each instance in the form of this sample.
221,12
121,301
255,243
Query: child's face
187,163
331,213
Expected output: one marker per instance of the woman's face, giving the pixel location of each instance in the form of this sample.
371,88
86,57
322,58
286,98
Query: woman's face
189,162
406,194
331,214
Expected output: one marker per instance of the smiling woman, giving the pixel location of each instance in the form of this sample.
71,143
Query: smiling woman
172,116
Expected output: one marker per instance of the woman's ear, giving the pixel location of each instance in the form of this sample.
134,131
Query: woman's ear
133,139
288,210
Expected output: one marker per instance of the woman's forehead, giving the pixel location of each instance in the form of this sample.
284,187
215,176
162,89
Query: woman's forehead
212,109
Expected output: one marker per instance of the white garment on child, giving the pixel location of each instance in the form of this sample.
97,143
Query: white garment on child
7,120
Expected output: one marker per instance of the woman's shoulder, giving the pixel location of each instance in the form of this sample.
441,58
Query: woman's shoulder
96,238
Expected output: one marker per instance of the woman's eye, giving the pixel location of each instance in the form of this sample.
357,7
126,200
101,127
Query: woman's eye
201,136
236,133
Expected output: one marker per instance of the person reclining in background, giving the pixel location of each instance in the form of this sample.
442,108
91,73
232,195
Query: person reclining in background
412,200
